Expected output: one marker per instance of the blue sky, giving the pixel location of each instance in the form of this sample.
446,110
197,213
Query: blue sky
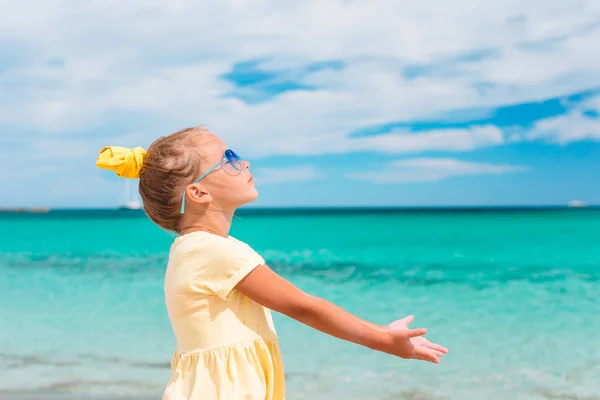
383,104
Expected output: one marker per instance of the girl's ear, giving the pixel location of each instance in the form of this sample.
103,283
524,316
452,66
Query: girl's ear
198,195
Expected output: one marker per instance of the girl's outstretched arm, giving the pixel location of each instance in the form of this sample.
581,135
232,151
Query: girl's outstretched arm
269,289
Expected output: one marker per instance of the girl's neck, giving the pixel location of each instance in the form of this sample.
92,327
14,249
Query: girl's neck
213,220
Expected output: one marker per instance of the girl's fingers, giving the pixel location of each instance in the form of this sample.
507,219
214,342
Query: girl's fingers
412,333
434,346
433,351
423,354
408,320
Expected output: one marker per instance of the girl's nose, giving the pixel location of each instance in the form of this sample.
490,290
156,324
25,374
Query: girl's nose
247,164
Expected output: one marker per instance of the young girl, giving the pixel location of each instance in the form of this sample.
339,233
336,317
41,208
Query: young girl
218,290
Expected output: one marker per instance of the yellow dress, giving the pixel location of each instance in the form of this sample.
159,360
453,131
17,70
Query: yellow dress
227,347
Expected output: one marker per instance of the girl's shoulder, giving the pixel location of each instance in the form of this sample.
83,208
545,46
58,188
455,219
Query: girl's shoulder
197,238
208,244
198,242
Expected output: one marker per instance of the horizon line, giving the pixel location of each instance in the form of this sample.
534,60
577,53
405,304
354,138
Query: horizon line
324,207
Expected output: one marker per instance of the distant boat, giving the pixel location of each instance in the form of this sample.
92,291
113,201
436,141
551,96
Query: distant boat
132,205
577,204
130,197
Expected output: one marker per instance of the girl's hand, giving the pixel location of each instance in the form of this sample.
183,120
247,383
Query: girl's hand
410,343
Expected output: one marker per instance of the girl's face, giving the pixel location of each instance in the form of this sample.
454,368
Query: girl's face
230,183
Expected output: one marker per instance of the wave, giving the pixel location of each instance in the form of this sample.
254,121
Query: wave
320,265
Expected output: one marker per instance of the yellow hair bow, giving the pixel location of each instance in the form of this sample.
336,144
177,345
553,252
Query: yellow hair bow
124,161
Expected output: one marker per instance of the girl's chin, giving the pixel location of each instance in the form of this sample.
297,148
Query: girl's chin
251,195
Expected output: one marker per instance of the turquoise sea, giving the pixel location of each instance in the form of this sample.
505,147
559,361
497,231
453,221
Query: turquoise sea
513,293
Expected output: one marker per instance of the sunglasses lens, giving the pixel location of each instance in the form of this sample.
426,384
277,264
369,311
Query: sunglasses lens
232,163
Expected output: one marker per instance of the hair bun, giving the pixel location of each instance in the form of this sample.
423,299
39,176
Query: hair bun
126,162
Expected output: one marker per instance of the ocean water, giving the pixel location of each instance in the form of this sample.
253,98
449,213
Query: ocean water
513,294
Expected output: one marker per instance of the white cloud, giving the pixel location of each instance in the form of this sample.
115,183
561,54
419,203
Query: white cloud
441,139
574,126
432,169
159,64
264,176
396,142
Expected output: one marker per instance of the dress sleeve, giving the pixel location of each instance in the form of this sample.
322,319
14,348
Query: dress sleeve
222,267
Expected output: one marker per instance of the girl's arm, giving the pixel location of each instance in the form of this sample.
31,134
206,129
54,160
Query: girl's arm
267,288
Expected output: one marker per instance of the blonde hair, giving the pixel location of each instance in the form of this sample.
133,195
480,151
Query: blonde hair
170,164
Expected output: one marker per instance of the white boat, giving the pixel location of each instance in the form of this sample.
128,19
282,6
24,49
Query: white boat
131,201
577,204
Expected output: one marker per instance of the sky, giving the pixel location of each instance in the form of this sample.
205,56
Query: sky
334,103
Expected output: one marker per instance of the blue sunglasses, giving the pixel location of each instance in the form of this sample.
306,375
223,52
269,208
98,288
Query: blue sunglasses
231,164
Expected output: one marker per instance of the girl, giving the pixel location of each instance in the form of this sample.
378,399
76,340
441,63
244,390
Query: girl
218,290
